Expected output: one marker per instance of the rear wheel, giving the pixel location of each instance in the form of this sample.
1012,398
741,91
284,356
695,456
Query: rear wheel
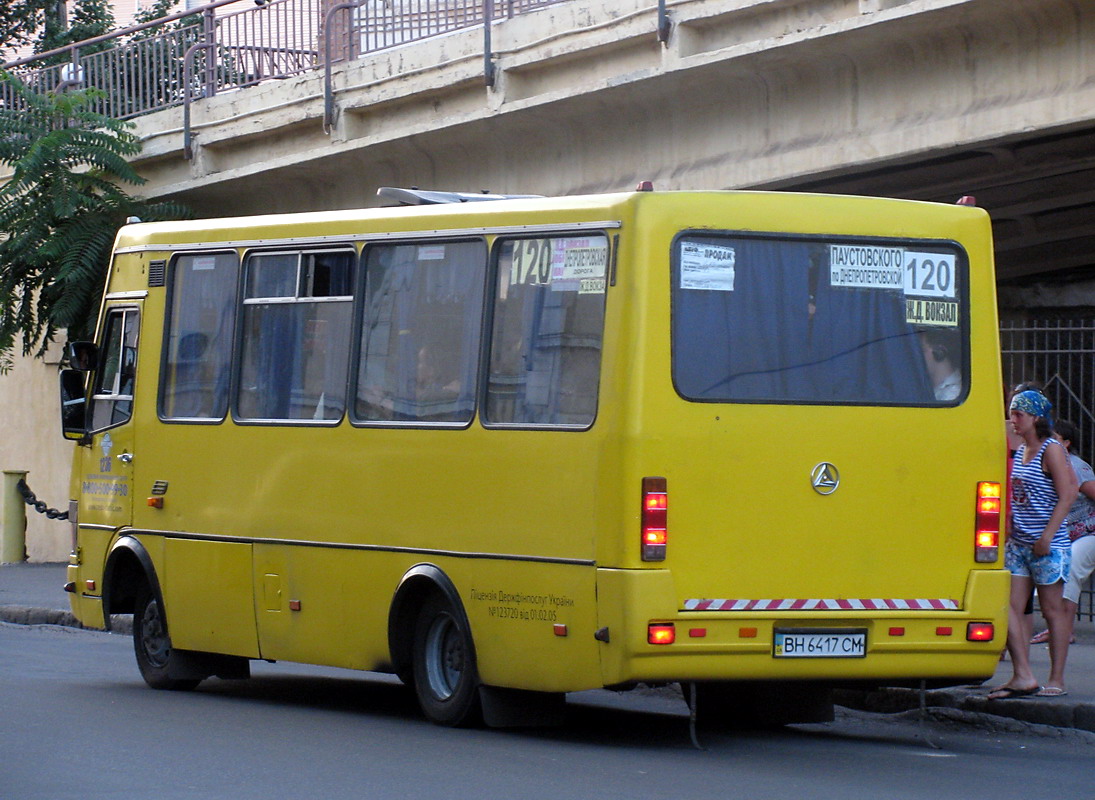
153,646
445,677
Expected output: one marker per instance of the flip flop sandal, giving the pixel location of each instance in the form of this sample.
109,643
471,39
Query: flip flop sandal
1042,637
1009,692
1050,691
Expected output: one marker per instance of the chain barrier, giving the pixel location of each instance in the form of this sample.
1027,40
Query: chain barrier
32,500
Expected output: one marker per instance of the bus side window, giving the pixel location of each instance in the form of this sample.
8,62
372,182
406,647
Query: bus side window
198,343
420,332
545,353
112,399
296,335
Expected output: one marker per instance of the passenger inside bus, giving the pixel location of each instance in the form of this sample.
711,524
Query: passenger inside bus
941,347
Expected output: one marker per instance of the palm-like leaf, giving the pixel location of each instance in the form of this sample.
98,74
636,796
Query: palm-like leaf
59,212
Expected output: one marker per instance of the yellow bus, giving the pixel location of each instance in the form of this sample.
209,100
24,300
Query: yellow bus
511,449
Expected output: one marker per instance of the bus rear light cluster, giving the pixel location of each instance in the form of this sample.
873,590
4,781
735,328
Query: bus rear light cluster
661,633
654,516
986,536
980,632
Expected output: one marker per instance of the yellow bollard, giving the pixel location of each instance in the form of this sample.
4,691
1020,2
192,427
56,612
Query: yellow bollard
13,523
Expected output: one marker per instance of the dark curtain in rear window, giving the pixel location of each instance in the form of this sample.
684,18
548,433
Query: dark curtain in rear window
772,327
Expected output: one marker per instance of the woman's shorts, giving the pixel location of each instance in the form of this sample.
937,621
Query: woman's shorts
1044,570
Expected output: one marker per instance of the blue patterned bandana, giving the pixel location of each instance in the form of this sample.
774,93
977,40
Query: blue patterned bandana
1033,403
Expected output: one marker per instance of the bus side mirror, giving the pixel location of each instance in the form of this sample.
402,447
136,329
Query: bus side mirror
83,356
73,405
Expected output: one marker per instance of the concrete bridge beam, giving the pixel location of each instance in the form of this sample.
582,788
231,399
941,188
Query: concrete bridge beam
747,93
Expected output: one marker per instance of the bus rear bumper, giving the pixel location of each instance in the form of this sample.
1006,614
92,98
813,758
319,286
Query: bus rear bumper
897,645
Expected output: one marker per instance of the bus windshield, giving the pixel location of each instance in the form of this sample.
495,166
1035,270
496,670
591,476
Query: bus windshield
818,320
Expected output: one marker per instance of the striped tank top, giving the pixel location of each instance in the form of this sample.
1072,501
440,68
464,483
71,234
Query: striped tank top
1033,497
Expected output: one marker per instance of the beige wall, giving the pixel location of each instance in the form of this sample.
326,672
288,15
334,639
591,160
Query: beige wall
31,441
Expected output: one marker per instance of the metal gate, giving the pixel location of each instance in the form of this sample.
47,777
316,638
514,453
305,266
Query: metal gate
1060,354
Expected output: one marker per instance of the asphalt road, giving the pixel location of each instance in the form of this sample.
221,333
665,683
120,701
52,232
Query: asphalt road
76,721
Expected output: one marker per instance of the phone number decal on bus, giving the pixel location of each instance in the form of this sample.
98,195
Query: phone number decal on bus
106,488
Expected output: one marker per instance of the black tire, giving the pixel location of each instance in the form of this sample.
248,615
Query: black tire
153,646
446,680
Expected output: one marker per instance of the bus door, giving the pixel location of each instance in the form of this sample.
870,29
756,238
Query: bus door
106,474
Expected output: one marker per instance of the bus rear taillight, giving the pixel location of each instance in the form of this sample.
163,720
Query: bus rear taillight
661,633
980,632
655,512
986,535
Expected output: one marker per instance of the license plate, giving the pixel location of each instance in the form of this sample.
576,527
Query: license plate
816,643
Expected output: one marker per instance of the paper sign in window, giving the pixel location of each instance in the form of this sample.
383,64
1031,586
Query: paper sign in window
922,311
866,266
707,267
930,274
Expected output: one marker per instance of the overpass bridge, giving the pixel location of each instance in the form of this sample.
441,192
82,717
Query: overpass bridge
926,99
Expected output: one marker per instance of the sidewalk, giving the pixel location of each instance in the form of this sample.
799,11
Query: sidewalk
33,594
1075,710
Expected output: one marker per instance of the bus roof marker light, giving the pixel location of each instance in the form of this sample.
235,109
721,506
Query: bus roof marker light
655,509
966,200
645,186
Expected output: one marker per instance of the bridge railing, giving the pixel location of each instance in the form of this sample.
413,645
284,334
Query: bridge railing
143,68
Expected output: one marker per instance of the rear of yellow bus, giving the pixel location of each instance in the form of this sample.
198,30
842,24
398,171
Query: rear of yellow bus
815,452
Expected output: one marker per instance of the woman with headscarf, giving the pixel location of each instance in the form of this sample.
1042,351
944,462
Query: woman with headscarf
1038,551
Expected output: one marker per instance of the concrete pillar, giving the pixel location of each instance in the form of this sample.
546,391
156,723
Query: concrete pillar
13,523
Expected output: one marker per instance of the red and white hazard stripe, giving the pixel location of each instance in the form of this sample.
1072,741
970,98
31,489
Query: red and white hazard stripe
887,604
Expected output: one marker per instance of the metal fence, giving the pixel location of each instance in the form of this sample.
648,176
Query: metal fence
1060,354
143,68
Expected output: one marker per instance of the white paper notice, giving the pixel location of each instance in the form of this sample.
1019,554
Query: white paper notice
707,267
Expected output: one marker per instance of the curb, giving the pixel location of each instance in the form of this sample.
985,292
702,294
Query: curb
28,615
1035,710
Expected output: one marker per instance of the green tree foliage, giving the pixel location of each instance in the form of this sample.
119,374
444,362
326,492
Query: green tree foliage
88,19
60,211
158,10
19,22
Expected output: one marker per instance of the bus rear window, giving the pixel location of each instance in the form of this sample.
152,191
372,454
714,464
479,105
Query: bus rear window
819,320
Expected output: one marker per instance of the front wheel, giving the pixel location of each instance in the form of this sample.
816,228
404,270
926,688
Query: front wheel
445,677
153,646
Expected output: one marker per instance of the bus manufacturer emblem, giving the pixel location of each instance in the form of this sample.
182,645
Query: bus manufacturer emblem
825,478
